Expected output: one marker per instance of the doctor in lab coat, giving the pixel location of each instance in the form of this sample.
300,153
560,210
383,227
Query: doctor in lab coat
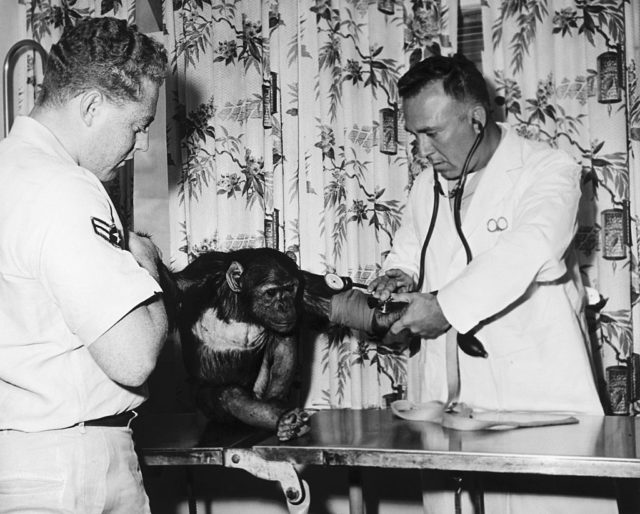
521,294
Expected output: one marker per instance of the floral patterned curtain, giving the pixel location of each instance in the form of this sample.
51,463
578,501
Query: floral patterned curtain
632,104
287,135
559,71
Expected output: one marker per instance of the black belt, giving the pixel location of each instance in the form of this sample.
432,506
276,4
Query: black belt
117,420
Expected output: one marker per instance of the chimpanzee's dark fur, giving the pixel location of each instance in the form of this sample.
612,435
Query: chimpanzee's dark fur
240,347
237,314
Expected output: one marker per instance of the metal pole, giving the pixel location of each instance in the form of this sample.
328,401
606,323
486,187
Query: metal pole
7,77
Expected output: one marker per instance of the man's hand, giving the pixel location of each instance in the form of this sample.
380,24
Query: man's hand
423,315
145,253
393,281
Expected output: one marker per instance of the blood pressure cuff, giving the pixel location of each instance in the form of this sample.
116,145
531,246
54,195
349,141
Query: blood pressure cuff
350,309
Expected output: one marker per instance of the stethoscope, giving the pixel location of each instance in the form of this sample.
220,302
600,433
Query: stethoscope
467,342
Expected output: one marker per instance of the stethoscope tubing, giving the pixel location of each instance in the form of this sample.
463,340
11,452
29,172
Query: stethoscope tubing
457,203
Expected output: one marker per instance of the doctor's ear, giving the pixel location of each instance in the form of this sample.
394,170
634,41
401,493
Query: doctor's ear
478,118
477,125
90,102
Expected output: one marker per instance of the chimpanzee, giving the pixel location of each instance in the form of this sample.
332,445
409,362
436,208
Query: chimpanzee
237,314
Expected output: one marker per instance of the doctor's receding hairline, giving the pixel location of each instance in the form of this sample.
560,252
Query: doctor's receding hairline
460,79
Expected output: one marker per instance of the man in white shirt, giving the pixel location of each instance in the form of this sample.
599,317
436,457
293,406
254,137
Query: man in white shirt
81,318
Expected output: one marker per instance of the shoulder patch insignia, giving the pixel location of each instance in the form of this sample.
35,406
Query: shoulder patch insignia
107,231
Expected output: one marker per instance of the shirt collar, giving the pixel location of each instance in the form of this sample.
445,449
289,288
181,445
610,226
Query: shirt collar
32,131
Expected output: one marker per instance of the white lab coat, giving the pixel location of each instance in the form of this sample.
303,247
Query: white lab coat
522,290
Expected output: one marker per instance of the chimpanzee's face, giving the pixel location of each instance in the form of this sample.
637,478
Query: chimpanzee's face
273,301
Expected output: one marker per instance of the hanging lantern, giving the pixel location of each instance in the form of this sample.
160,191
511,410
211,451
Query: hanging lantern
271,235
609,78
389,130
614,234
266,104
386,6
633,365
617,386
274,92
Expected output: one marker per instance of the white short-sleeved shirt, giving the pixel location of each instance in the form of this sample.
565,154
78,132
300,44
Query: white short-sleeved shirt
64,281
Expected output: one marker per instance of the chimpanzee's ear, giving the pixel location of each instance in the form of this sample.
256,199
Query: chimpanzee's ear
233,276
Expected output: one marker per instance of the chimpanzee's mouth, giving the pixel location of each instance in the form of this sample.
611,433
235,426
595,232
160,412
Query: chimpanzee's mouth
284,327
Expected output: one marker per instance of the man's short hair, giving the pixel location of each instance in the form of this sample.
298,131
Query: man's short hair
104,54
460,79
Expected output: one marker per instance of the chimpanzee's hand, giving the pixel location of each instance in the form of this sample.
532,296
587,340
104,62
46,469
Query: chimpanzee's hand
145,253
393,281
293,423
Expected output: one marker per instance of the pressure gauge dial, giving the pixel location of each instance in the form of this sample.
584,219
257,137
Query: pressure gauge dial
336,282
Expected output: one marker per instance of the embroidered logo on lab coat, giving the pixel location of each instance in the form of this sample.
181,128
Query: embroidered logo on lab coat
107,231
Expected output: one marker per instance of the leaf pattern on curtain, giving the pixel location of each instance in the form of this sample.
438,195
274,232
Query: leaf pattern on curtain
276,141
220,152
353,184
544,58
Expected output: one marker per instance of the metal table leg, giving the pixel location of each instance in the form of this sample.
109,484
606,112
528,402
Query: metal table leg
191,495
295,489
356,500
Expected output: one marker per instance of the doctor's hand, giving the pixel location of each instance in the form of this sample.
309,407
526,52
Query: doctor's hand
423,315
393,281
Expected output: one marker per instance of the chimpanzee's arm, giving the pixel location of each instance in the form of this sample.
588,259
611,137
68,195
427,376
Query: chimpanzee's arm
237,402
283,355
348,308
244,406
